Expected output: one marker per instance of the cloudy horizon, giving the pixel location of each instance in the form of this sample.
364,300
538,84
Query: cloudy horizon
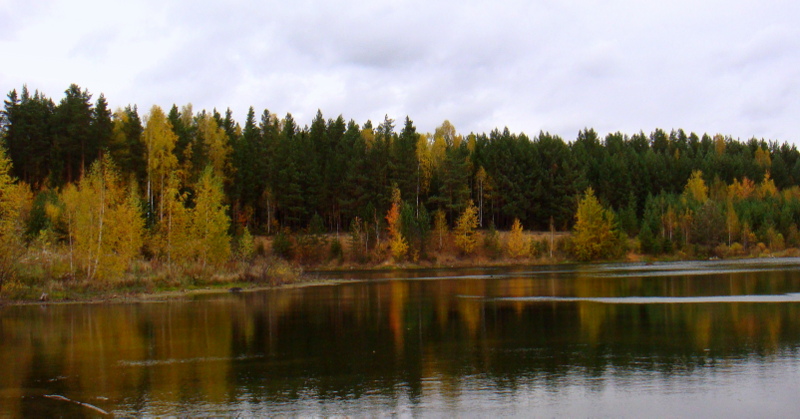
556,66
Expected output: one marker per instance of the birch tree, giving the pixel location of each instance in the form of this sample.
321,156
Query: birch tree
104,223
160,140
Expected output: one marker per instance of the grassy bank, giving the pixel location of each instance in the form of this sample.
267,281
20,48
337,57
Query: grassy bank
45,274
47,277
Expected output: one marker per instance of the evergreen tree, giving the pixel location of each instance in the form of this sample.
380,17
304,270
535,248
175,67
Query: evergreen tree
403,162
102,128
27,125
76,146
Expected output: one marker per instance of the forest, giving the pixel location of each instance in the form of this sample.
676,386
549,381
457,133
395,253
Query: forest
106,187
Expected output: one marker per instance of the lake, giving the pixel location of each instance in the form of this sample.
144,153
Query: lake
684,339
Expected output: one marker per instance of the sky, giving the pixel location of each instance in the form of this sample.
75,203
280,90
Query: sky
729,67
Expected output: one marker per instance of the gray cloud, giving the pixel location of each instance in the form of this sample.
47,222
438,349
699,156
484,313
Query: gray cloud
558,66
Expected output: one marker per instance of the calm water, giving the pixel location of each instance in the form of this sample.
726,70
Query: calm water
718,339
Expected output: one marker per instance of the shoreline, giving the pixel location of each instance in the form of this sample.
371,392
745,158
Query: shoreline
312,278
173,295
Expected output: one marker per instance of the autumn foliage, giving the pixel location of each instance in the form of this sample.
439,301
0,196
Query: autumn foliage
13,198
104,225
595,235
397,243
464,230
112,191
517,246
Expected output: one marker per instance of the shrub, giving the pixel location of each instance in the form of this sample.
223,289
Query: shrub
282,244
491,242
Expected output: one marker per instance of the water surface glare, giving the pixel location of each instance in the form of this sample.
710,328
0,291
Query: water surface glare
685,339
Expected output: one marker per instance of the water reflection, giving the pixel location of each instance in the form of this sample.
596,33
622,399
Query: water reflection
480,341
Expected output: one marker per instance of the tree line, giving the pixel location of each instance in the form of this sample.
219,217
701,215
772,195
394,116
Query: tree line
336,175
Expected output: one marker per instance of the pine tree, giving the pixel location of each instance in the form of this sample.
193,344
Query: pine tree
76,146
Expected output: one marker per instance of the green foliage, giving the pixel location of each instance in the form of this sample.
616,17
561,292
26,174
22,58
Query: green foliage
648,242
336,250
440,227
359,238
627,217
491,242
38,220
282,244
708,225
311,243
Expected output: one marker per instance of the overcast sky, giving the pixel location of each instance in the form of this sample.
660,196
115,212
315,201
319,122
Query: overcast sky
730,67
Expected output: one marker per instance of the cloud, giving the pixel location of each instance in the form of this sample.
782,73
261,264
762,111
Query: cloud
549,65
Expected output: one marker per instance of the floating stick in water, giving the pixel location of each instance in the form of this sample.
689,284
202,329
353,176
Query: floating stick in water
90,406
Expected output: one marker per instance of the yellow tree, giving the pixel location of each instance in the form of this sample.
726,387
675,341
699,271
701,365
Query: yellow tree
696,188
368,134
516,245
173,239
215,144
595,234
762,158
447,134
161,161
465,229
397,243
13,197
767,187
424,165
719,144
124,232
104,224
741,190
439,145
210,222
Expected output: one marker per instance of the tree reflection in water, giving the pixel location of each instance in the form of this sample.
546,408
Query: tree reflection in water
404,345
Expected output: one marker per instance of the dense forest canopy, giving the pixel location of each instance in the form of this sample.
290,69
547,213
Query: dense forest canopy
277,172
